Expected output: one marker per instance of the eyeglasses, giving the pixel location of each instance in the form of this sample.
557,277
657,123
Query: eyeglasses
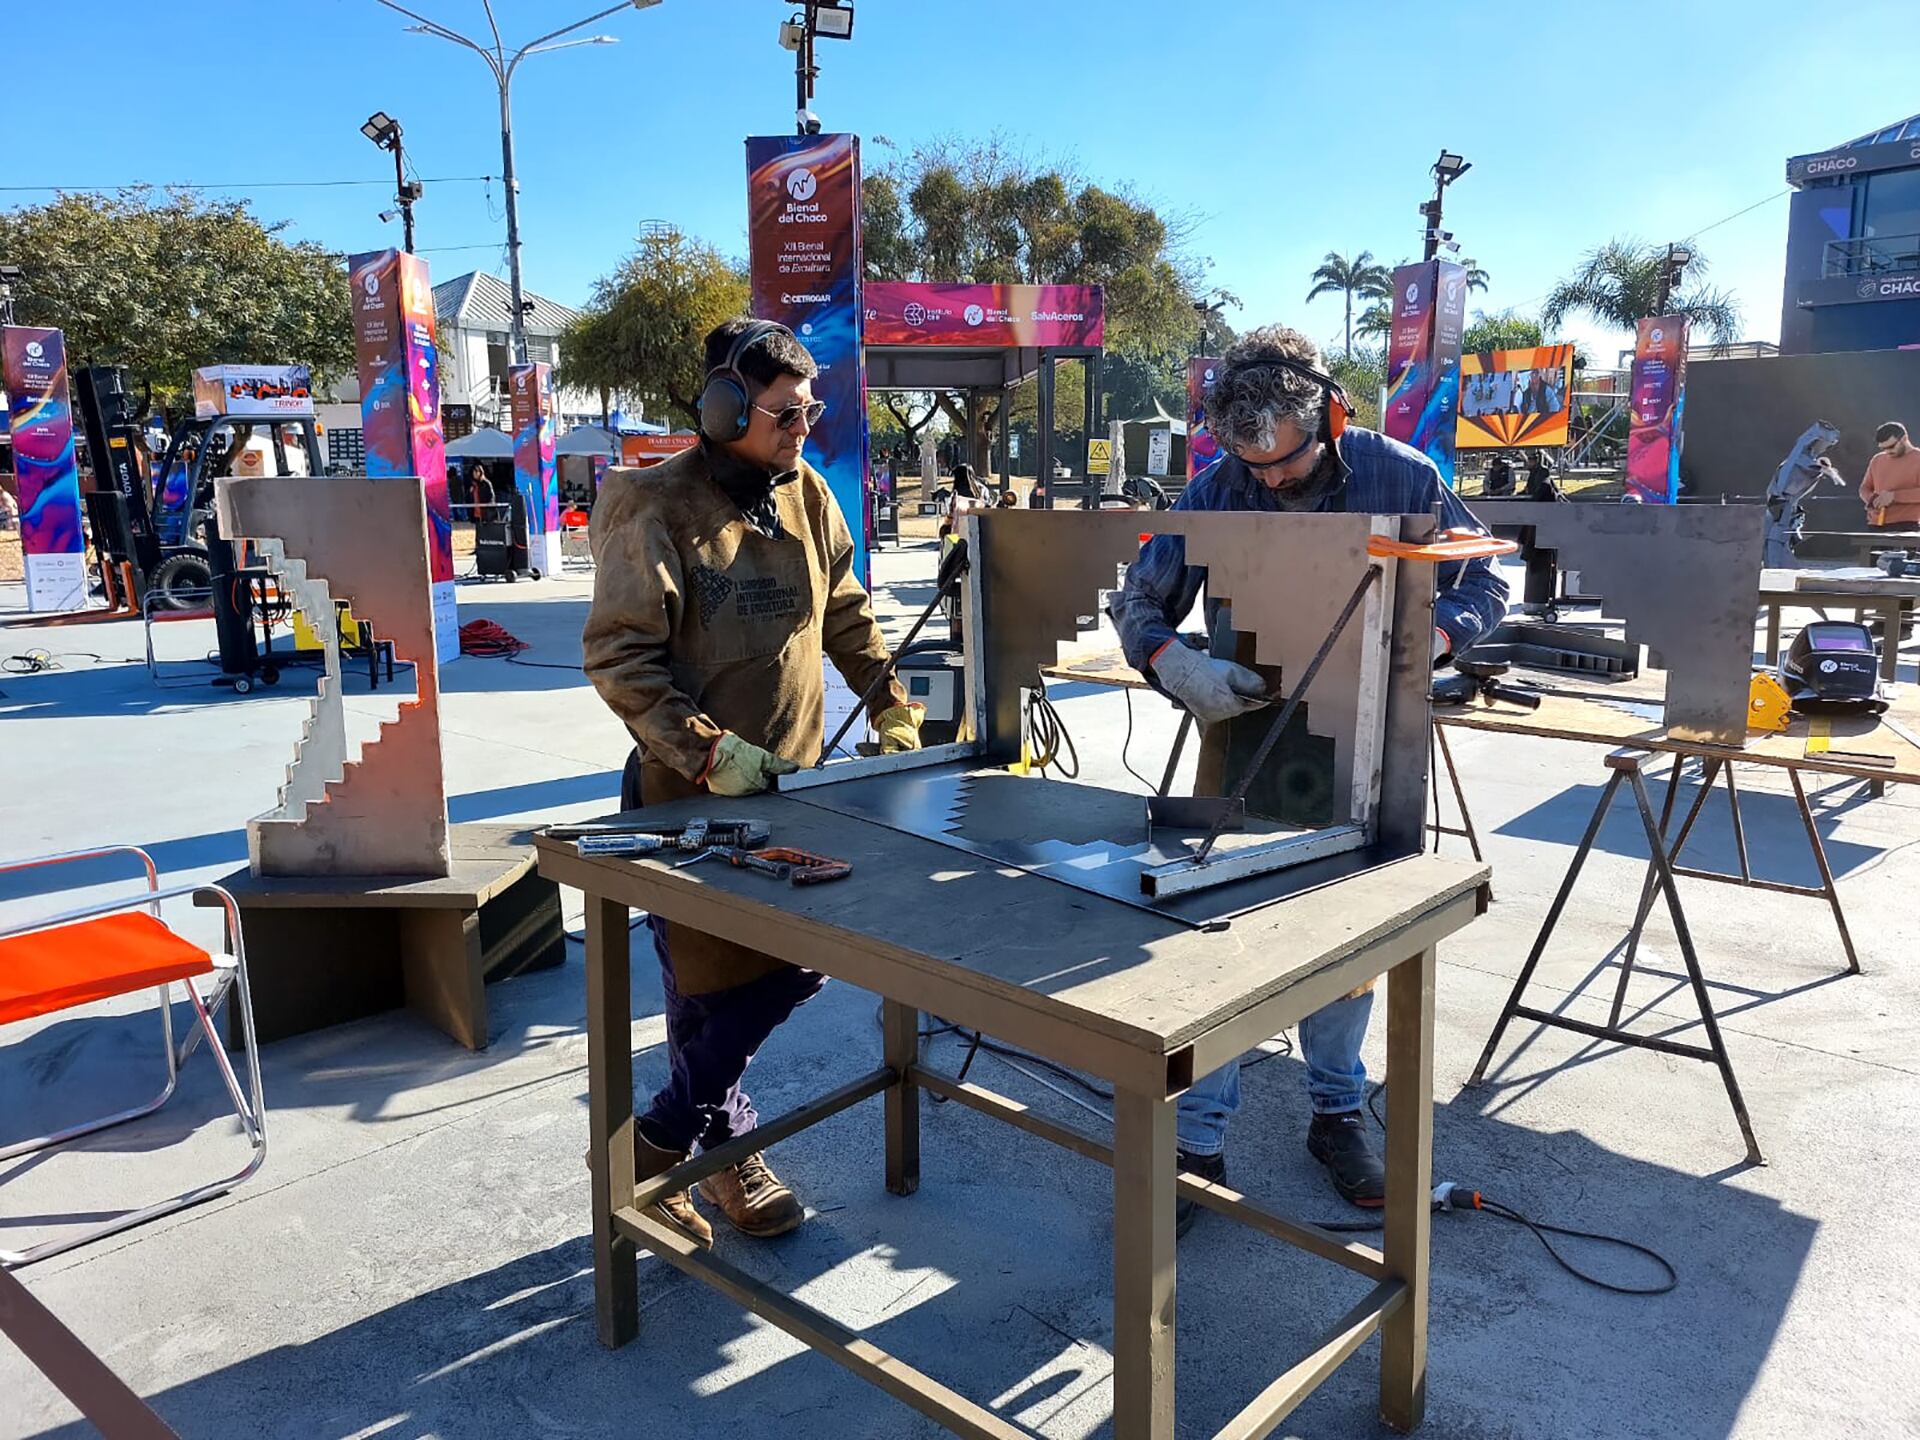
788,416
1261,467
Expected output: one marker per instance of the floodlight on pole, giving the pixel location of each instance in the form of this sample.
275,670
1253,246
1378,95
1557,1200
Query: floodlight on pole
1678,257
815,19
502,63
833,20
1447,169
383,130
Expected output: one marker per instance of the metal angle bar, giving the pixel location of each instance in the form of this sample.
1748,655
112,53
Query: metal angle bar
1621,1037
1813,892
1275,730
1280,1399
868,766
820,1332
711,1162
1362,1259
1183,877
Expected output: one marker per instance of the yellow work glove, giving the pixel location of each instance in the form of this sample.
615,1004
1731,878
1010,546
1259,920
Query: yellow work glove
899,728
739,767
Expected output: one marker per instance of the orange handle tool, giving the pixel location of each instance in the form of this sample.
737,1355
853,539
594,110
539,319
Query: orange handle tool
1453,545
808,868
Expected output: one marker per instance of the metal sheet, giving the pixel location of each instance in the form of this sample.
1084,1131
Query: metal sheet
1685,578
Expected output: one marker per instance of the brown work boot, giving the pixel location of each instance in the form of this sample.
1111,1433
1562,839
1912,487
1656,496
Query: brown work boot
675,1209
753,1199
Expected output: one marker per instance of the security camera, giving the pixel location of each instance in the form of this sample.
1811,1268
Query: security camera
809,123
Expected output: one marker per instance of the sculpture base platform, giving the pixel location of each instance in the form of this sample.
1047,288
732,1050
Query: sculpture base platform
325,949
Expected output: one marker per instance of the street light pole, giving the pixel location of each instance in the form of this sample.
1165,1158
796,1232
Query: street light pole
502,66
1678,258
403,193
1447,169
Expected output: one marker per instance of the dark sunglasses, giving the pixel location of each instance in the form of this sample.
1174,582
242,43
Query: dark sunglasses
789,415
1262,466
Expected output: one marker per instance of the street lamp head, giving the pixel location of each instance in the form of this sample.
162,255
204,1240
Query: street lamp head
833,20
1680,256
382,129
1450,167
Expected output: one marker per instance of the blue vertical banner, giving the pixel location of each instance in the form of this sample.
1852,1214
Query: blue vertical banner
803,232
530,390
1423,359
33,373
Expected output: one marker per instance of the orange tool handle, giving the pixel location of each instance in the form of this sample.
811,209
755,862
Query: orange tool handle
808,868
1454,545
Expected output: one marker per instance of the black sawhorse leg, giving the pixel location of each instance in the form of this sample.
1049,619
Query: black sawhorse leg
1716,766
1440,754
1625,766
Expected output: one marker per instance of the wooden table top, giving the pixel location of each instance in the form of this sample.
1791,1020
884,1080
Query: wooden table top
486,860
1142,979
1852,580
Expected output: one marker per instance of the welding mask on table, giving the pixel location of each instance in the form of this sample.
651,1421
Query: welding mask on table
1831,668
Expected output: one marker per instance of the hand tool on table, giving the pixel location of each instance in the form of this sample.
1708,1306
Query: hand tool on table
1481,678
796,867
952,566
640,837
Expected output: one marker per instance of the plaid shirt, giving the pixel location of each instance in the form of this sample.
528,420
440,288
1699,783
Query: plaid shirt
1380,477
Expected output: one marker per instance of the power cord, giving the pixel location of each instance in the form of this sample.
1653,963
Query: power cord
38,661
1127,744
1449,1196
486,640
1049,734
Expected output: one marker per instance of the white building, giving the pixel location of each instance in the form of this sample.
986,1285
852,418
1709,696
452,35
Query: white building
471,316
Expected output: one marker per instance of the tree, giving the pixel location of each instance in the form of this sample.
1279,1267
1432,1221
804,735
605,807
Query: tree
1505,331
1477,278
979,212
1362,275
1362,374
642,330
164,283
1619,284
1376,321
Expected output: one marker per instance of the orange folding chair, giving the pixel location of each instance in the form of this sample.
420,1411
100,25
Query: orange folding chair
120,947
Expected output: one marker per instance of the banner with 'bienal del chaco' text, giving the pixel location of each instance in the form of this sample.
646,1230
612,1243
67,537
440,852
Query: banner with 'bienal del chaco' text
1658,391
398,360
803,234
531,390
1423,359
33,372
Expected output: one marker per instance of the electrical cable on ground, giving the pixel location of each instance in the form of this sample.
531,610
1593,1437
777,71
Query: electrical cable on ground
38,661
486,640
1447,1196
1049,734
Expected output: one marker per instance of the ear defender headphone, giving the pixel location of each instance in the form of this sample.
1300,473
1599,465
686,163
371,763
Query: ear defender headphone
1339,409
725,406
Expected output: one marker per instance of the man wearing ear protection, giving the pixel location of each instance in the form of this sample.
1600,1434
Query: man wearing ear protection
1281,423
721,579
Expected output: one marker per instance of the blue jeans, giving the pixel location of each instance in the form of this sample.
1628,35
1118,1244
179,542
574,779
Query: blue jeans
1336,1080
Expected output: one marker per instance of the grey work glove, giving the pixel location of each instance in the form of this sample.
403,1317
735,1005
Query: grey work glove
1214,690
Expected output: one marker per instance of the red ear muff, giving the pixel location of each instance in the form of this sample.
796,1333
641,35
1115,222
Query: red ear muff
1339,411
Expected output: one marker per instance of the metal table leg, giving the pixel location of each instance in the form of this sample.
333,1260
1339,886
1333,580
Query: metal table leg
1409,1211
1143,1267
900,1027
616,1279
1826,871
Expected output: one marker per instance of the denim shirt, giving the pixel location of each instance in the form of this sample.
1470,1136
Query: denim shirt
1379,477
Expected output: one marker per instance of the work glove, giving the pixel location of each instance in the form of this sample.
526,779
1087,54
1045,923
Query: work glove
739,767
899,728
1213,690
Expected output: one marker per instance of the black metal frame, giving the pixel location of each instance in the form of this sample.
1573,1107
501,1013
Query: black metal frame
1625,766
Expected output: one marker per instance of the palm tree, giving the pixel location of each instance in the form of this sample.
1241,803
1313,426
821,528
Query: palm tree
1477,278
1362,275
1376,321
1620,283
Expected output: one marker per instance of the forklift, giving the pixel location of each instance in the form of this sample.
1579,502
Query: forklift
200,452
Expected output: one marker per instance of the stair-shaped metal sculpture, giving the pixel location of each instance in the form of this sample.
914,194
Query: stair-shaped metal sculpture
383,812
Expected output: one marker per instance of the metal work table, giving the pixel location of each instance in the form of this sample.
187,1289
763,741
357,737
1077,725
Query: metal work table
1858,589
1144,1001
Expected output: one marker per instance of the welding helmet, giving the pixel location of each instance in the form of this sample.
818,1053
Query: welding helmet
1832,667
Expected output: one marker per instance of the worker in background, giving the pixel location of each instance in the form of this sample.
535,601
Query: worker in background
1891,487
722,577
1280,423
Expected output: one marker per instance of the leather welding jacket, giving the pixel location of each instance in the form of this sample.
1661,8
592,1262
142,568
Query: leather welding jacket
702,623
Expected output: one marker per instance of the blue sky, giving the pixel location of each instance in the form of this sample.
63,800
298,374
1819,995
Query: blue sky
1281,129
